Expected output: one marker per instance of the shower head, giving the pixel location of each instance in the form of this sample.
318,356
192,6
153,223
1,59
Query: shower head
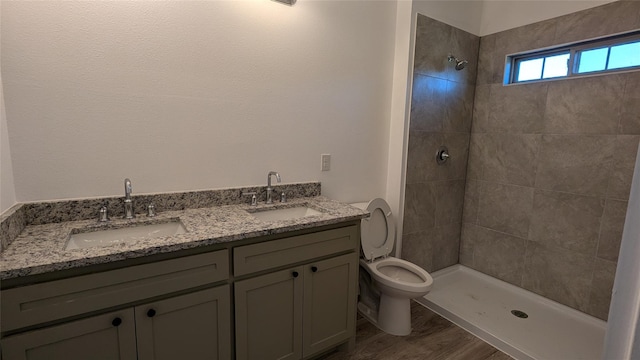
459,64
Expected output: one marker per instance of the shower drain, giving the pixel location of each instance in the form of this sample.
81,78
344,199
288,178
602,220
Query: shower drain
520,314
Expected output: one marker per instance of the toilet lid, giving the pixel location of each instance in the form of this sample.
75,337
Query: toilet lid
378,231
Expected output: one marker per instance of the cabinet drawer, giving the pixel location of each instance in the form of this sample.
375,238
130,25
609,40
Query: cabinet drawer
271,254
34,304
96,337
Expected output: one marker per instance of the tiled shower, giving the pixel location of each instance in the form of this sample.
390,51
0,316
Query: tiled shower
536,189
441,114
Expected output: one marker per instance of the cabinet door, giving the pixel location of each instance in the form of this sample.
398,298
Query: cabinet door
192,326
329,302
103,337
269,316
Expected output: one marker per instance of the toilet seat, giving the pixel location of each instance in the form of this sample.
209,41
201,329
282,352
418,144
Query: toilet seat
399,274
378,230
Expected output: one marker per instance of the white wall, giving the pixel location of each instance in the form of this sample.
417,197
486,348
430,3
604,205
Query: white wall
499,15
7,189
484,17
194,95
197,95
463,14
399,122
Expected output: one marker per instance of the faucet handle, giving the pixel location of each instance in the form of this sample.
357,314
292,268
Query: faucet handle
254,199
127,188
104,215
151,210
283,197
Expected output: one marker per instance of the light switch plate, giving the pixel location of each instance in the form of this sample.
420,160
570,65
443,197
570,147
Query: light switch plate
325,160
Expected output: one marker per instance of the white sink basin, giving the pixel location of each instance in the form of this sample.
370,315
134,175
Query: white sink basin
285,214
124,235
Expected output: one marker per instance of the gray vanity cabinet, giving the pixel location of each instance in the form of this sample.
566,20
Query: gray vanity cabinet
297,312
269,316
192,326
330,292
108,336
295,297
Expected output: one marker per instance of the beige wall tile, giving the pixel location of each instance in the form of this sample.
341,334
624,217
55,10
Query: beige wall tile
575,163
602,285
490,65
456,167
510,158
499,255
505,208
427,103
477,152
435,41
630,113
470,207
584,106
467,244
459,107
419,208
574,141
571,142
611,231
449,201
517,108
441,115
620,183
526,38
603,20
480,121
446,246
420,166
464,46
432,47
566,220
421,156
418,249
559,274
626,150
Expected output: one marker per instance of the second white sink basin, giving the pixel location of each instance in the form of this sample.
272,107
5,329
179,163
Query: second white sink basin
285,214
124,235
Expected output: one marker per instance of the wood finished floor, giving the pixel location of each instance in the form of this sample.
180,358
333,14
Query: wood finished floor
433,338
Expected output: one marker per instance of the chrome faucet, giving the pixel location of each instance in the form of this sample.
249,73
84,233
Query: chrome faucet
269,188
128,203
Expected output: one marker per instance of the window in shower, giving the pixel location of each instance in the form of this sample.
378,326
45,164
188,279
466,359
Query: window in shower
619,53
546,66
614,57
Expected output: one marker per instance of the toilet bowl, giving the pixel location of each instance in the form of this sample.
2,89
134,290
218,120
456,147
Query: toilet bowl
397,281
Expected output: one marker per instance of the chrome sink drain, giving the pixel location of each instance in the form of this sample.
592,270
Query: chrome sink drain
520,314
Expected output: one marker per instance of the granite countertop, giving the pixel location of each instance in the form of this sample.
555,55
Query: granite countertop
40,249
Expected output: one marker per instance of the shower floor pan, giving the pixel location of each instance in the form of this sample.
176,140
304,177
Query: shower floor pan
483,306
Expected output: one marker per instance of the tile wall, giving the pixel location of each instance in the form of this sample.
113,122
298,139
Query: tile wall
550,166
441,114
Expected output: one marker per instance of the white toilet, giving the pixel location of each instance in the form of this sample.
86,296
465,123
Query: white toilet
387,284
